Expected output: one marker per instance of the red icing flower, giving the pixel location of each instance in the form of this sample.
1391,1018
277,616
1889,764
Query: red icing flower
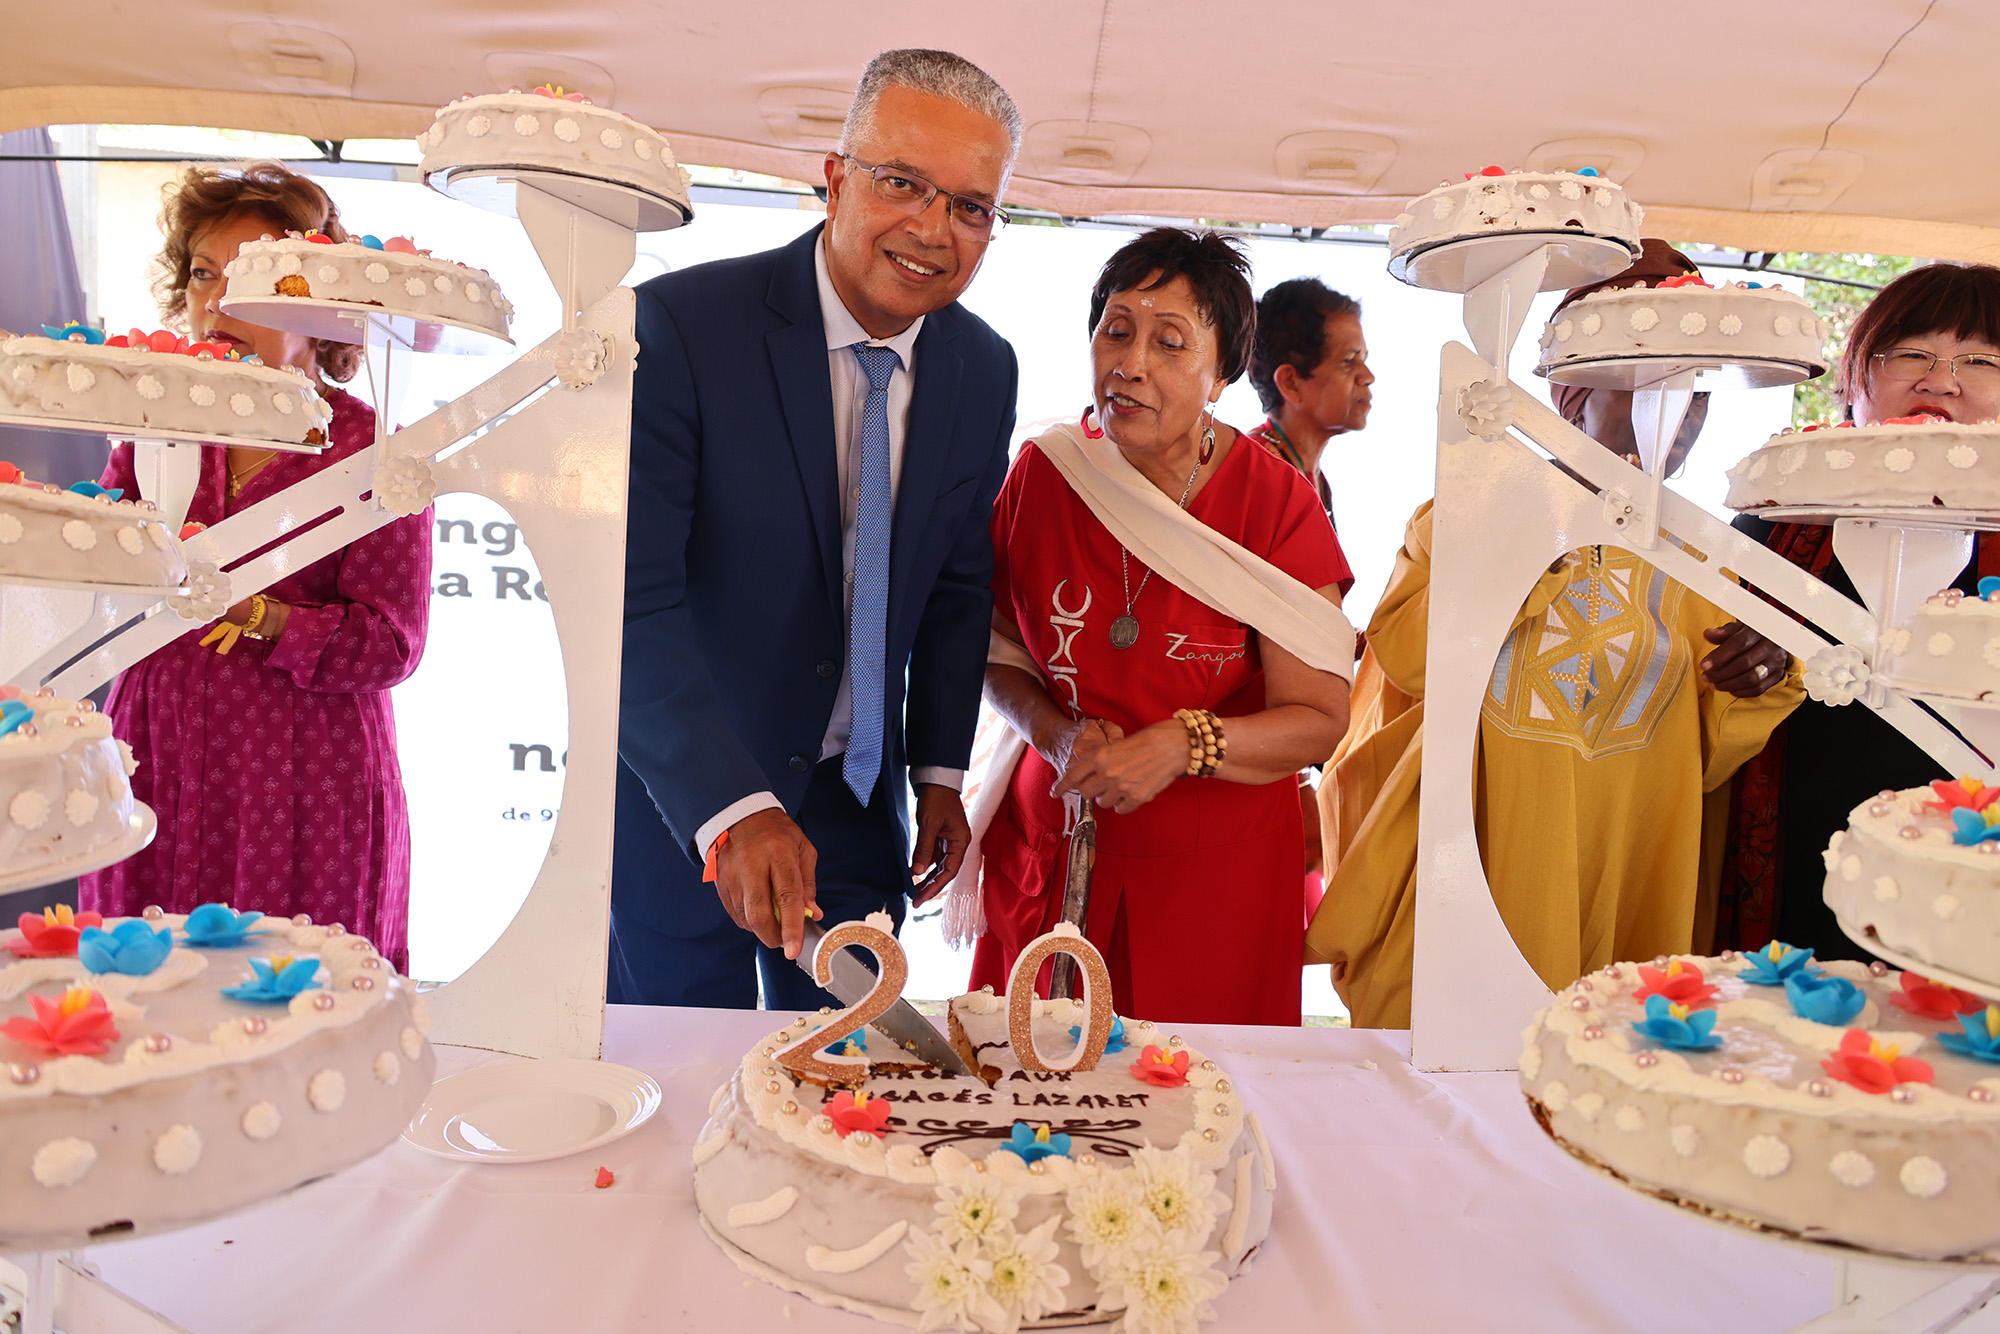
77,1025
52,933
1679,982
1874,1067
317,237
1156,1067
1933,1000
401,245
1921,417
1686,280
1966,794
9,473
191,527
1491,171
868,1115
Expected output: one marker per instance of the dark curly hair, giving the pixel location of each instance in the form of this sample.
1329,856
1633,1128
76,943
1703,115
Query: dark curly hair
1958,299
205,196
1291,331
1216,269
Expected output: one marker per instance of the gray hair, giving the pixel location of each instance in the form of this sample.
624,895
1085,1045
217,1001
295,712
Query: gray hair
939,73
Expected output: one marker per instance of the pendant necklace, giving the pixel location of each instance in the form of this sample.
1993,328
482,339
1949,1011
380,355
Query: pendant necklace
1125,630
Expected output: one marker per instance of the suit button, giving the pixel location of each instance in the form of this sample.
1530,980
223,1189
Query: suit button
799,764
828,667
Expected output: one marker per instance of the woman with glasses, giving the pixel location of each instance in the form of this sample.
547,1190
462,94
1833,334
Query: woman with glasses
1928,344
1168,640
1617,702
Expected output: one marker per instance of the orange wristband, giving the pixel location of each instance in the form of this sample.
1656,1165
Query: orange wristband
714,851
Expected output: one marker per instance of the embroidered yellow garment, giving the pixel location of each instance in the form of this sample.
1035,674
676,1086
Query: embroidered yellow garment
1598,738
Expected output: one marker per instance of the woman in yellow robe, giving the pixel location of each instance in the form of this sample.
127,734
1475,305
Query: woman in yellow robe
1614,706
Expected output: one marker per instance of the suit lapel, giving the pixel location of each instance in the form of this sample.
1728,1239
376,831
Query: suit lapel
926,444
805,393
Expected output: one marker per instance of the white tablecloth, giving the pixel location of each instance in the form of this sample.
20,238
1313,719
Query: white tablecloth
1406,1202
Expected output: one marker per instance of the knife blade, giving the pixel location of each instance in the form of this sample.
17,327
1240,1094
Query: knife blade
1076,891
905,1026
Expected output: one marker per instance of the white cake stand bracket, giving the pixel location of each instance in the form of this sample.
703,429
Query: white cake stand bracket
59,1291
1874,1298
1503,514
585,255
1505,279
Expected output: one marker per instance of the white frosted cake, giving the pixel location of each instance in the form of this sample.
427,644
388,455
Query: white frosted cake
548,131
1919,870
85,537
138,1096
116,386
1685,320
1905,463
65,803
1497,203
1019,1198
394,277
1843,1103
1949,646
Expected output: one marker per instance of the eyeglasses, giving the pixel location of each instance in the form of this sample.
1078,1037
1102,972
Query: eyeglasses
909,193
1908,364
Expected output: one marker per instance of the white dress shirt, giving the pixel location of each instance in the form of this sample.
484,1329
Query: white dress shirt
850,397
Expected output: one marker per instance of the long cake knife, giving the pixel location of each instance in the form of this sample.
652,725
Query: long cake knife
905,1026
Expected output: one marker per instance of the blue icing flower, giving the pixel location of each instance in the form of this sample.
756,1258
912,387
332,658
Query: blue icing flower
371,241
1981,1039
1116,1042
1770,966
217,925
1970,828
1753,285
1674,1025
1586,171
1823,999
13,713
1039,1142
133,948
276,980
93,489
854,1044
73,332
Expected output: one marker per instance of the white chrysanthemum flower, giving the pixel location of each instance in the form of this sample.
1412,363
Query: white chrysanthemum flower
1027,1283
951,1284
1167,1290
1109,1220
979,1210
1178,1192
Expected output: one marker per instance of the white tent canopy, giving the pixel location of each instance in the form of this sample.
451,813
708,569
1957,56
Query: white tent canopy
1832,125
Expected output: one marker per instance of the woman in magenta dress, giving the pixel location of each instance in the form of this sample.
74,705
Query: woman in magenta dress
272,767
1194,899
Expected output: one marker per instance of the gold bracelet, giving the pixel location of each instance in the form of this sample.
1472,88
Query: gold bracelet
259,607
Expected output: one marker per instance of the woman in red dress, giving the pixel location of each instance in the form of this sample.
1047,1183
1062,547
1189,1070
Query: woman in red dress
1194,898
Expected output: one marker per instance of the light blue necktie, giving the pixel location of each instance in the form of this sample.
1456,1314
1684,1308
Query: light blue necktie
868,623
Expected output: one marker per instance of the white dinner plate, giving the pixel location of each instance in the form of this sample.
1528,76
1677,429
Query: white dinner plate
532,1111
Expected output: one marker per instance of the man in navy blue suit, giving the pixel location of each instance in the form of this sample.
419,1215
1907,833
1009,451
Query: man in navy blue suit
818,433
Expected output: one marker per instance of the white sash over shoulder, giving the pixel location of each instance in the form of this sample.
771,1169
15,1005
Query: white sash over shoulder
1182,550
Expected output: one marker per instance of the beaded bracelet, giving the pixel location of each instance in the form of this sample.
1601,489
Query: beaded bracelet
1207,746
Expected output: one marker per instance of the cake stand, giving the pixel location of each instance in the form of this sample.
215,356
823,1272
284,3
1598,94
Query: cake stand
150,435
492,187
1500,275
